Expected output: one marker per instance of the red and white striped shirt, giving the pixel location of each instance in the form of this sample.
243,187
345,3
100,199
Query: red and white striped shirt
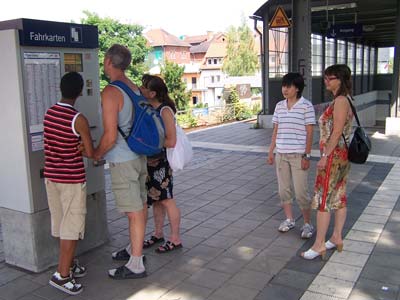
63,160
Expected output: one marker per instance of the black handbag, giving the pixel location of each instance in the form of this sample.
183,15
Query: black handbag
360,144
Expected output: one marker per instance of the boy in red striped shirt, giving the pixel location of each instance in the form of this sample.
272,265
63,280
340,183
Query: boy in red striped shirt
64,130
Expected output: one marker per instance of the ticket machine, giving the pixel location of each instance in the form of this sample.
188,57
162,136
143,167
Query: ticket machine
34,55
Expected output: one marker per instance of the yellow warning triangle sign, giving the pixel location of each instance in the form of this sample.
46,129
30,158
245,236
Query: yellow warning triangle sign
279,19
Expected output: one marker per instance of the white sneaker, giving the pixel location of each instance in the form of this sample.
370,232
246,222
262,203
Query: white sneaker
67,285
286,225
307,231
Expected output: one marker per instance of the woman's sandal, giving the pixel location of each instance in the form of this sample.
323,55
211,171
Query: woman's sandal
329,245
152,241
311,254
168,247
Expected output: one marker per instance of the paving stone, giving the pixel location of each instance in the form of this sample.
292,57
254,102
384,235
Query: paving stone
225,203
166,277
251,279
156,261
187,224
234,232
189,241
317,296
331,287
254,242
18,288
8,274
187,209
42,278
198,216
187,264
208,278
289,239
33,297
211,209
371,290
279,252
297,263
349,258
378,211
47,292
204,252
341,271
294,279
382,203
387,244
202,232
220,241
383,259
276,291
226,264
150,292
216,223
234,292
373,219
264,263
186,291
266,232
246,224
359,247
381,274
256,215
367,226
242,252
362,236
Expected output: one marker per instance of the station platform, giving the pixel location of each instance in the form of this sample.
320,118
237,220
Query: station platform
232,249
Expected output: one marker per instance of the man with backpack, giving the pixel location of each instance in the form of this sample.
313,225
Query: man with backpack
128,169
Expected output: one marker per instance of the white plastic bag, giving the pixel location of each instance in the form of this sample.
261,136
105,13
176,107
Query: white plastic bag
182,154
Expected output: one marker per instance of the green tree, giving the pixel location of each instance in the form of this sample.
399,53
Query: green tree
241,57
172,74
240,110
113,32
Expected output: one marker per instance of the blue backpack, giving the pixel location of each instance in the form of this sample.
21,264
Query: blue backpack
147,133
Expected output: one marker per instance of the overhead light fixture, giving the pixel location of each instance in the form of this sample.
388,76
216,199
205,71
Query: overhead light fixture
254,17
334,7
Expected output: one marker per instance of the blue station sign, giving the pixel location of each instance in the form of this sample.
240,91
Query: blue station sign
53,34
344,31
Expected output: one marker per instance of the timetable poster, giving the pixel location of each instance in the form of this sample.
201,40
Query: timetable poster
42,73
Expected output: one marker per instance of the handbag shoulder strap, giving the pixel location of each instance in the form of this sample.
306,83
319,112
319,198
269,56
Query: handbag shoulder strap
353,109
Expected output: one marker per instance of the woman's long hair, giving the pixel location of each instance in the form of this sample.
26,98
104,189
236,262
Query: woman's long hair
157,85
343,73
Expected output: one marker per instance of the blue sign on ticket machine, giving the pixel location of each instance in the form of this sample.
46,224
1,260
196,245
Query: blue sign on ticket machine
34,55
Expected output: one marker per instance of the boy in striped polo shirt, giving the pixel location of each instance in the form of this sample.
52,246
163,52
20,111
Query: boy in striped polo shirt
64,130
292,136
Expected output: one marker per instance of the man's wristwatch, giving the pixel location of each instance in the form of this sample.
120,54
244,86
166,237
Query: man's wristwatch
306,156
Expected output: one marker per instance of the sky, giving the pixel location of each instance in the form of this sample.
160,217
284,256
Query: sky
178,17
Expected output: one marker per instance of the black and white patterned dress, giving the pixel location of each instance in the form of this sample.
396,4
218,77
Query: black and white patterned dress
159,181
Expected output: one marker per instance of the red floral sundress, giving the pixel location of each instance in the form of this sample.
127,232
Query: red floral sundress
330,183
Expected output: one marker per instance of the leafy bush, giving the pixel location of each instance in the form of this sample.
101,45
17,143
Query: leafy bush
186,120
256,108
242,112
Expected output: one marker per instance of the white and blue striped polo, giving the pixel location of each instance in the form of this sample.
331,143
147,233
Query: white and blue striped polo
291,137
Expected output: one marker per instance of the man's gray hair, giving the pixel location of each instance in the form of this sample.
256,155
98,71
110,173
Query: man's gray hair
120,56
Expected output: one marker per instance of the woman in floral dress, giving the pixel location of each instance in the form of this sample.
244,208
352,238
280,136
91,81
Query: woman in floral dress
160,179
333,167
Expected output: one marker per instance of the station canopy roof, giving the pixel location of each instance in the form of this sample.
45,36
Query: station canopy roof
376,17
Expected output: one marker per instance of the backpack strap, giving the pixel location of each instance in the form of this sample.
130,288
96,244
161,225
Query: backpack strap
132,95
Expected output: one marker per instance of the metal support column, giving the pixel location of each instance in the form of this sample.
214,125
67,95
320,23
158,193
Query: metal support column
301,32
396,69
